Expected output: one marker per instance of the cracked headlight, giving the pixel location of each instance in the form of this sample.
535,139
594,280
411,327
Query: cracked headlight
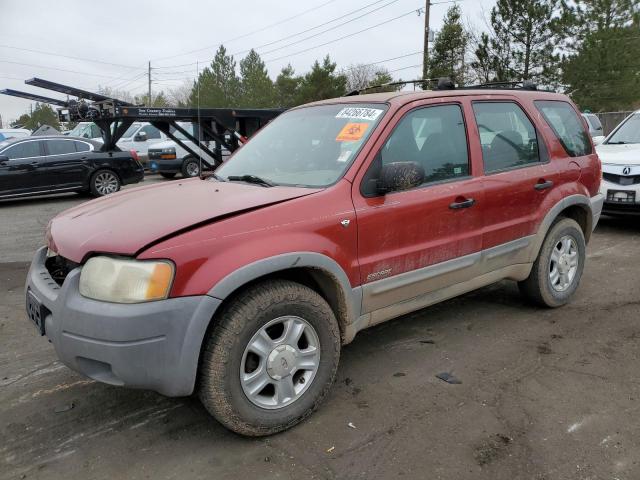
126,281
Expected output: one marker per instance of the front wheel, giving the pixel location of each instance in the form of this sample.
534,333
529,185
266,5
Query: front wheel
104,182
557,271
270,359
191,167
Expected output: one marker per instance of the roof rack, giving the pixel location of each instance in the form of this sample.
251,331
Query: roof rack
445,83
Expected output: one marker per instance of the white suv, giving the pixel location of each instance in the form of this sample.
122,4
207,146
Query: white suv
620,157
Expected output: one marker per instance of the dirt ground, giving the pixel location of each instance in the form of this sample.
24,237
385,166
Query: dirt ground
545,394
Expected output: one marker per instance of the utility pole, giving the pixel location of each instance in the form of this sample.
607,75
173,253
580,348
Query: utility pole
425,53
149,97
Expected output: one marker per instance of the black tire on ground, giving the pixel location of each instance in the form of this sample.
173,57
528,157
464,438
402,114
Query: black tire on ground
220,388
168,174
538,286
190,167
104,182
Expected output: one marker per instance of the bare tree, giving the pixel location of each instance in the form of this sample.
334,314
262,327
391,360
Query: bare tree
179,96
360,76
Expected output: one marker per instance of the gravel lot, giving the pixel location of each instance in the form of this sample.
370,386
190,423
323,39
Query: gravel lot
545,394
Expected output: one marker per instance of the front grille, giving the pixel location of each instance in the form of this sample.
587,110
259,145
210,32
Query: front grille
154,155
59,267
621,179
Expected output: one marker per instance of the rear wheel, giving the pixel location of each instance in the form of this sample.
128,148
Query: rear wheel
168,174
104,182
191,167
270,359
557,271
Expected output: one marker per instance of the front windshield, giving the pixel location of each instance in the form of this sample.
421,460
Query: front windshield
131,130
629,131
79,129
309,147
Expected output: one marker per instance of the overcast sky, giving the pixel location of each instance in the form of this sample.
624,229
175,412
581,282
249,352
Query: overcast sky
125,35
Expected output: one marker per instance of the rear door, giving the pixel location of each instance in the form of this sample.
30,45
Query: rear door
18,174
65,166
417,241
518,172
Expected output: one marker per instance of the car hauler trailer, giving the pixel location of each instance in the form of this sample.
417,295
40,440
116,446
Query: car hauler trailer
224,127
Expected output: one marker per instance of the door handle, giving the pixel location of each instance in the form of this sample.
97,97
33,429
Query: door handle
470,202
543,184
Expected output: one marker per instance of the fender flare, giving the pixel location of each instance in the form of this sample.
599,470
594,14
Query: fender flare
573,200
351,297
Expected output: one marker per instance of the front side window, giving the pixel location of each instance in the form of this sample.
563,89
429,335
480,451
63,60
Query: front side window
507,136
567,126
434,138
151,131
60,147
309,147
23,150
628,132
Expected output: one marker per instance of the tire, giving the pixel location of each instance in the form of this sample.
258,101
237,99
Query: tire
190,167
104,182
542,286
227,355
168,175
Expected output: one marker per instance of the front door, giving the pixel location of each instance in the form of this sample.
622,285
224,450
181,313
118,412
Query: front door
18,174
417,241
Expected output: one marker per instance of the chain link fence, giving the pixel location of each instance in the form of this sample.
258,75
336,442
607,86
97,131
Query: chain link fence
611,120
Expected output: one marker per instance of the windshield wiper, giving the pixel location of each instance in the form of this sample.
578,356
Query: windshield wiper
617,143
250,179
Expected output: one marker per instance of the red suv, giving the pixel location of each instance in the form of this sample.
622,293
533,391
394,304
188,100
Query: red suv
337,216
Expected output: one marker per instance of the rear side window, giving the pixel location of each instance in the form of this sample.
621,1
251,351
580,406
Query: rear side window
60,147
82,147
23,150
567,126
594,121
508,137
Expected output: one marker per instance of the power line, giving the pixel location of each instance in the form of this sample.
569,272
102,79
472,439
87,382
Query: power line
406,68
345,36
58,69
247,34
42,52
321,25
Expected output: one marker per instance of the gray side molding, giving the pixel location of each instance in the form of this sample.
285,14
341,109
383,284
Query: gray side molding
351,297
579,200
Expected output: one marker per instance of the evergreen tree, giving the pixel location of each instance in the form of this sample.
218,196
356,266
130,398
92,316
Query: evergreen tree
218,83
602,75
321,82
446,58
42,114
286,88
256,87
521,43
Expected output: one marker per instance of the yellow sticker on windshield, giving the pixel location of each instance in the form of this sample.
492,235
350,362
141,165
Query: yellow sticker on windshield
352,132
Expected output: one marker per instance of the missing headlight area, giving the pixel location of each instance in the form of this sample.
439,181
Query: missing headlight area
59,267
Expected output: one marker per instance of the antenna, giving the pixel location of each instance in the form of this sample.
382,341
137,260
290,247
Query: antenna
199,124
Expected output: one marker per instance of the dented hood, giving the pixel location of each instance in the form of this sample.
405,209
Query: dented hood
126,222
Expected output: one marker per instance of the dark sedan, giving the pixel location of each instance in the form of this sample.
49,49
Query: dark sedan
55,164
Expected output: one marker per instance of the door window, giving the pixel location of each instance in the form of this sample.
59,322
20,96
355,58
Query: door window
435,138
60,147
82,147
23,150
567,126
151,131
508,137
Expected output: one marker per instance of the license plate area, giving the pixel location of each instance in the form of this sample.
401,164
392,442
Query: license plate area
621,196
36,311
153,165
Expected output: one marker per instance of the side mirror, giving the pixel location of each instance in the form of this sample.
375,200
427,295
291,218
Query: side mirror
140,137
398,176
3,159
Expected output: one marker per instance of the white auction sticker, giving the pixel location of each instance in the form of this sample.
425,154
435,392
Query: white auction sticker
359,113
